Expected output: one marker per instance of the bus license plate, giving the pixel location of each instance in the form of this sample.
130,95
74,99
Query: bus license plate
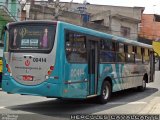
27,78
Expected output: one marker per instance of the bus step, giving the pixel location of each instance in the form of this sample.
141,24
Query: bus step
89,96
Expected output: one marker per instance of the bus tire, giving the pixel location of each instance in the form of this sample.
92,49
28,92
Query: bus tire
143,86
105,92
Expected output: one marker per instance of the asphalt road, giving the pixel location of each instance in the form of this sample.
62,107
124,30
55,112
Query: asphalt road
39,108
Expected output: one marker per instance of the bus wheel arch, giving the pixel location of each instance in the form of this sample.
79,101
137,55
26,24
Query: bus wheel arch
144,81
106,90
145,77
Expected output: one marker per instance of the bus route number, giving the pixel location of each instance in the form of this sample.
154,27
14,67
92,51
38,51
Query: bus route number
39,60
77,72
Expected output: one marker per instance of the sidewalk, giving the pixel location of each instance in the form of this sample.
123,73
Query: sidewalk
153,107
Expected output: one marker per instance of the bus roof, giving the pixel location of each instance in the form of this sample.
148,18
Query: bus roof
88,31
103,35
32,21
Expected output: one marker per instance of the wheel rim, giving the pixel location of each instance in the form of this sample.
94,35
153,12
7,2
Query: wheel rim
106,92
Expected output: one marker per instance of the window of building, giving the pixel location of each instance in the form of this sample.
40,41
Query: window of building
125,31
6,3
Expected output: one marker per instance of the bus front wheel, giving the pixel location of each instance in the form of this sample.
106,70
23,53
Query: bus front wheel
105,92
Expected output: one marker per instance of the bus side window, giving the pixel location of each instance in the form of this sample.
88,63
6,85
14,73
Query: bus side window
120,53
107,51
138,55
146,56
76,47
130,54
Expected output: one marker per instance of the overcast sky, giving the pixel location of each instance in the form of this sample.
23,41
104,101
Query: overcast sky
151,6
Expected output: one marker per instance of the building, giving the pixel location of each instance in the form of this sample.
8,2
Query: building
150,27
122,21
9,11
149,33
117,20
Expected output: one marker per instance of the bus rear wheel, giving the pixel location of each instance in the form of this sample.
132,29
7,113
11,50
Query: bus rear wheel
143,86
105,92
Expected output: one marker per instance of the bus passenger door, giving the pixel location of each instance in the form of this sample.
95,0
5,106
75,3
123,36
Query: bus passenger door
92,67
152,66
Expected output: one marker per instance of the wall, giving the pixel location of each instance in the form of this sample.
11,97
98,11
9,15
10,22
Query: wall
38,12
101,14
149,28
116,28
132,17
9,12
133,12
14,8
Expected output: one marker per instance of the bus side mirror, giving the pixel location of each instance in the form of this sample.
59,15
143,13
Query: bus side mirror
156,60
156,57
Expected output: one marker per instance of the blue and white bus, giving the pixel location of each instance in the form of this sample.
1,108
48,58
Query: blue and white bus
61,60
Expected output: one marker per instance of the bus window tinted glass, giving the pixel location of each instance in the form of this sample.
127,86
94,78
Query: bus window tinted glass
146,56
29,37
120,53
130,54
138,55
76,47
107,56
108,45
107,51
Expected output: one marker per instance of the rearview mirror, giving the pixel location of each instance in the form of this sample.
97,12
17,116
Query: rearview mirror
156,57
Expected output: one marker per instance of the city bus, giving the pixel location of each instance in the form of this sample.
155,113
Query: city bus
1,62
1,66
60,60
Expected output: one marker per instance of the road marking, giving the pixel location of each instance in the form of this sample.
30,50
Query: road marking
122,103
2,107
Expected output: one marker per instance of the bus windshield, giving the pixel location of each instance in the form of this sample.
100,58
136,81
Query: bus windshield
29,37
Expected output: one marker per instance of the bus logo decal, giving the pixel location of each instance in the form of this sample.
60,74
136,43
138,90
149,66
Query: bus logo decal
27,62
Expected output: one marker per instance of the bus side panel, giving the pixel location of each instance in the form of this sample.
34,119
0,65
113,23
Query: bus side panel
109,70
123,76
115,72
76,84
73,76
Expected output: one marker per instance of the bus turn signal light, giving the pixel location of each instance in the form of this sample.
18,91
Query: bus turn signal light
49,72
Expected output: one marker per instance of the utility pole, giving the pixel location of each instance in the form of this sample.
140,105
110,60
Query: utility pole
43,7
56,10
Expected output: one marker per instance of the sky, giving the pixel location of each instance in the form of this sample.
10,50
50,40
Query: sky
151,6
